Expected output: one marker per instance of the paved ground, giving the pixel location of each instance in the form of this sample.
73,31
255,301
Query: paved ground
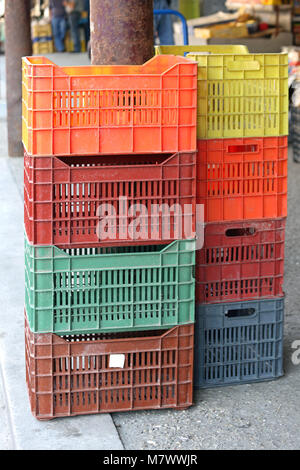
258,416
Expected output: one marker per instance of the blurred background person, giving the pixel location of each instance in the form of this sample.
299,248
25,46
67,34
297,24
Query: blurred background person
163,26
74,8
87,24
59,23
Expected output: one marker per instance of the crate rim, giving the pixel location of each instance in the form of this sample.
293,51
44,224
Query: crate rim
164,331
167,157
48,62
165,247
249,54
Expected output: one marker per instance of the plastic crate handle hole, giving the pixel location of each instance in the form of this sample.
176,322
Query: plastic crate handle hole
240,232
243,148
240,312
243,66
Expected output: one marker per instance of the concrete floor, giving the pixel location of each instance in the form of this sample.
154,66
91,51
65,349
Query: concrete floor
258,416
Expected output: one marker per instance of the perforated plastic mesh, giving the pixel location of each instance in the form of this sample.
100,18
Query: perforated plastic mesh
108,200
109,109
240,261
242,95
238,342
84,375
242,179
109,289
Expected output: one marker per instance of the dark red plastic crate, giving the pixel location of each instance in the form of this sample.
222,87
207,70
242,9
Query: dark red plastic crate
242,179
240,261
80,374
62,197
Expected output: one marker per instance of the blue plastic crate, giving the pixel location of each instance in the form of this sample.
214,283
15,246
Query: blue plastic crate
239,342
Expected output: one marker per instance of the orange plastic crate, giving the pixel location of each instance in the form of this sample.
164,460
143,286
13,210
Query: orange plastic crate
109,109
240,179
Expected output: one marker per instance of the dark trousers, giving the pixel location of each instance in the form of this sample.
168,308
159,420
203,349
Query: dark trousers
74,19
59,27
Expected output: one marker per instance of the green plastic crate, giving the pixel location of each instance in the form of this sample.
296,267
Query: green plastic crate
94,290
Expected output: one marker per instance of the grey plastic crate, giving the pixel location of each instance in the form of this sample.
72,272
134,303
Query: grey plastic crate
239,342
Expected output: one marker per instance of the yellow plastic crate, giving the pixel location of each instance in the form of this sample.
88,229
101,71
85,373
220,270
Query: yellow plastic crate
42,47
249,101
41,30
242,95
211,49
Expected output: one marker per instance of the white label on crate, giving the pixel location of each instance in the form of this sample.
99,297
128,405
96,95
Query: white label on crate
117,360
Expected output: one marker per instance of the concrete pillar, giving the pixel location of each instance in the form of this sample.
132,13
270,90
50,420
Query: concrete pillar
121,31
17,44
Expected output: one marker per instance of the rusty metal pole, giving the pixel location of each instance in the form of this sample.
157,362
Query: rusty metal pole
121,31
17,44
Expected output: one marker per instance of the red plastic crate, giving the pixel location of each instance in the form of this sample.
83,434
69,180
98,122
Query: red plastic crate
241,261
149,108
87,374
242,179
62,197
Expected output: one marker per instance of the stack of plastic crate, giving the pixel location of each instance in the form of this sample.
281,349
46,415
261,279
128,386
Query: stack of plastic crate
109,307
242,183
42,40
